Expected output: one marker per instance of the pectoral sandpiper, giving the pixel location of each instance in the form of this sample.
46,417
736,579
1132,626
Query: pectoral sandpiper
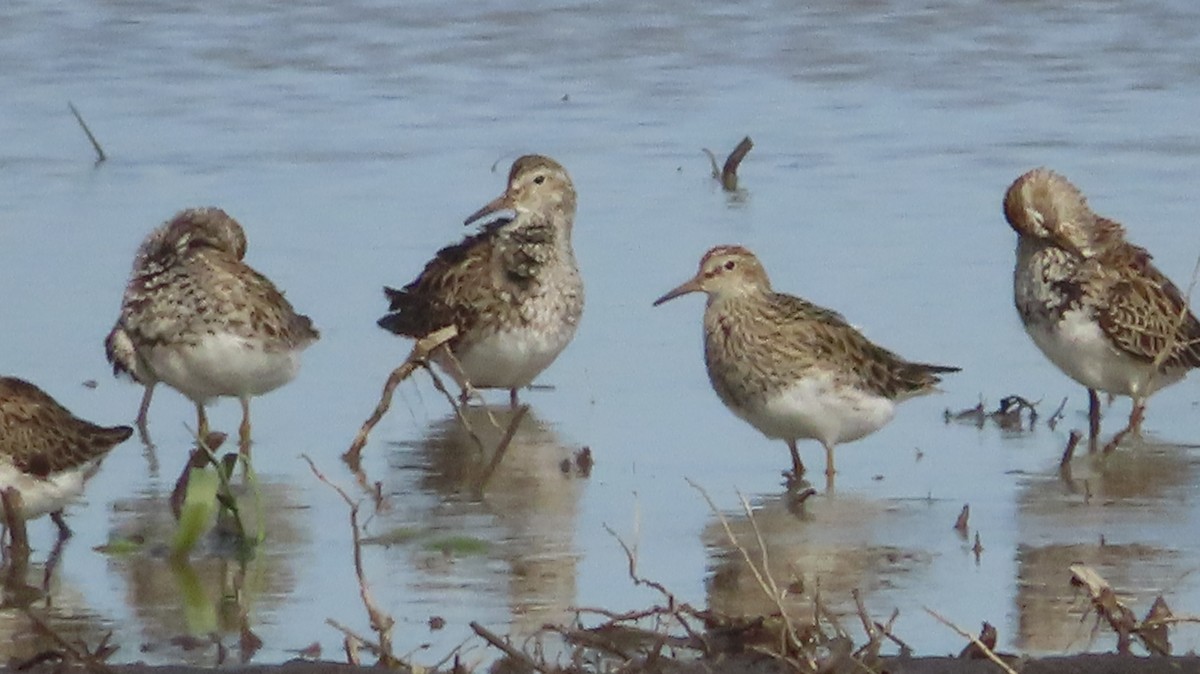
790,368
46,453
196,317
1094,303
513,290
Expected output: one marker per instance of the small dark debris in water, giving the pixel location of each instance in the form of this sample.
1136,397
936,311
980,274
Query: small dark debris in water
978,547
727,174
311,651
920,455
1009,415
436,622
566,98
960,524
90,383
584,462
987,637
877,478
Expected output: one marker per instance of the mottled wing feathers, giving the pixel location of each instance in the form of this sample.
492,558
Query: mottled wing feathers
41,437
827,338
212,289
464,277
1144,313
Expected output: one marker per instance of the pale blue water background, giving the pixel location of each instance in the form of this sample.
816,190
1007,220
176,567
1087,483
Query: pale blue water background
351,139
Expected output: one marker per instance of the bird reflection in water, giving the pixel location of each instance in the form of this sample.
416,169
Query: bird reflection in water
842,546
1127,515
526,512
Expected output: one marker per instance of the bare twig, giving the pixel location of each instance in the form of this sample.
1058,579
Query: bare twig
764,578
95,144
508,649
381,622
417,358
1058,414
983,648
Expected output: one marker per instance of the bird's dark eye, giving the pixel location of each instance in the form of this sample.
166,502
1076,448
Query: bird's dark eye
539,180
730,264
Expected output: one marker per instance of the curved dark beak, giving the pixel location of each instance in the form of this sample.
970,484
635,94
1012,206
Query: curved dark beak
500,203
690,286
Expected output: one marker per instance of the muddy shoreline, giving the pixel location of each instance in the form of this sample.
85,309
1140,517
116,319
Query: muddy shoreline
1091,663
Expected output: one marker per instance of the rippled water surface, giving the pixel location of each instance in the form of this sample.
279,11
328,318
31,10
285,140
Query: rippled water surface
352,138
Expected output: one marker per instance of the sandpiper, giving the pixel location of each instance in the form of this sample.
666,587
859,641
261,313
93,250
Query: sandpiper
790,368
46,453
1094,303
513,290
196,317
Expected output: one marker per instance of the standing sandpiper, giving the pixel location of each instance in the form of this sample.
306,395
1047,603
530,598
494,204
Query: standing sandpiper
200,320
1093,302
792,369
513,290
46,453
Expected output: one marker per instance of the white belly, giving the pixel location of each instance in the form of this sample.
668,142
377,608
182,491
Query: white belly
1079,348
223,365
818,408
40,496
512,359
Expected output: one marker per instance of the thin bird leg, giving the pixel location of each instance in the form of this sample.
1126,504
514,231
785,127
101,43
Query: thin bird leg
201,423
143,411
64,531
1135,426
1093,421
244,429
513,400
797,464
1136,415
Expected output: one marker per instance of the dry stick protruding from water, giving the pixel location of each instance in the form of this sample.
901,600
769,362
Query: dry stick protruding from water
983,648
508,649
95,144
381,623
766,582
419,357
728,173
960,524
1118,616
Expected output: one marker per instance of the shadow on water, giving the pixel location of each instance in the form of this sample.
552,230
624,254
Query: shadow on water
193,610
834,548
1127,515
524,521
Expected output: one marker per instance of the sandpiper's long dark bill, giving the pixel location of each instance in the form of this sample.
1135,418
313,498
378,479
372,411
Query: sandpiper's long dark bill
196,317
1093,302
513,290
791,369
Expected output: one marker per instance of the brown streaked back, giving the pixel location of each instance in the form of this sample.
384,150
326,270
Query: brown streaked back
42,437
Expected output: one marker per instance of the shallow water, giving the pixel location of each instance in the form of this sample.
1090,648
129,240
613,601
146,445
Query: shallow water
352,138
